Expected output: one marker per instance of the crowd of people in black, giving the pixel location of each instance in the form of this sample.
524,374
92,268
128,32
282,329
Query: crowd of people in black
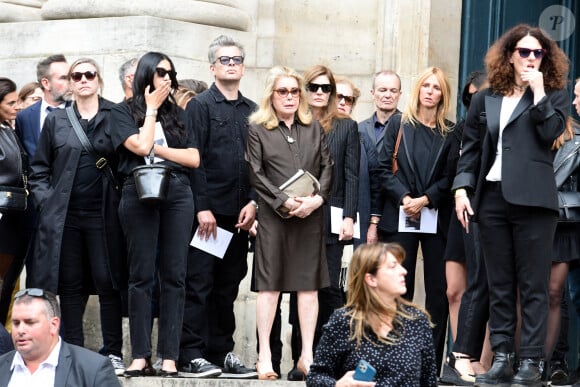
492,202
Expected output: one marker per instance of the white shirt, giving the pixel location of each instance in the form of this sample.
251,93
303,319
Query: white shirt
44,111
44,375
508,105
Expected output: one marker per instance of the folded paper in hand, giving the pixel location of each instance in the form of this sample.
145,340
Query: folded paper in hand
301,184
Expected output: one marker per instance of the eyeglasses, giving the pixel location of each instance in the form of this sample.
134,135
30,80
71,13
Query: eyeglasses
313,87
89,75
283,92
348,99
225,60
33,292
161,72
525,52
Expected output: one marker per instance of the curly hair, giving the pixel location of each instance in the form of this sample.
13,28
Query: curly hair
500,72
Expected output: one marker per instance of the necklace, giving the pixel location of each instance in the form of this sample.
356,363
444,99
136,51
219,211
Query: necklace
289,138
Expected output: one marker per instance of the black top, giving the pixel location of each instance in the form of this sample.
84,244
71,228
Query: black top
221,127
87,186
125,127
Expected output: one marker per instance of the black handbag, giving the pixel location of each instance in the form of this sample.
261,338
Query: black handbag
569,203
13,174
151,181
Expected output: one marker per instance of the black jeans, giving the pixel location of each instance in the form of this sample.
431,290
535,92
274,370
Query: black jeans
84,256
147,226
517,247
474,309
211,289
433,249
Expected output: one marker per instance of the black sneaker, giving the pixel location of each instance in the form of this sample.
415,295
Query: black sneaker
200,368
559,373
235,369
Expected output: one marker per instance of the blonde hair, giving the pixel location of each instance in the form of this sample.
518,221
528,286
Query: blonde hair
411,113
355,90
182,96
91,62
364,306
266,115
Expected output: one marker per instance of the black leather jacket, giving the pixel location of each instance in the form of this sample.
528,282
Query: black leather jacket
567,163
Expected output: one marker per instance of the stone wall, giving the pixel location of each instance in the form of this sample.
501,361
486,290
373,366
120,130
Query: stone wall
355,39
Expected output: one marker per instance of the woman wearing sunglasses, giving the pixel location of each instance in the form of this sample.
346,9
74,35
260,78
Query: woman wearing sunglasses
289,251
78,237
505,181
151,120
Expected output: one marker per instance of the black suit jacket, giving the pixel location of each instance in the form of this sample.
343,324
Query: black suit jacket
408,181
77,367
527,159
344,146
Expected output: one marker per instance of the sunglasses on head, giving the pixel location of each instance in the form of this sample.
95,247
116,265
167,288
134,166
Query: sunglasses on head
33,292
313,87
283,92
348,99
89,75
161,72
525,52
225,60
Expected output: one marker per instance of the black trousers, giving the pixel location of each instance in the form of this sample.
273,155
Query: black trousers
146,227
433,249
474,308
517,248
84,256
211,289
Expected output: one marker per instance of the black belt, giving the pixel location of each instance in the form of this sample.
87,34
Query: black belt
493,186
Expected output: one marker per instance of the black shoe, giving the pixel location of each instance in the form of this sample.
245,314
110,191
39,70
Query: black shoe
168,374
199,368
529,373
295,375
451,376
500,373
559,373
235,369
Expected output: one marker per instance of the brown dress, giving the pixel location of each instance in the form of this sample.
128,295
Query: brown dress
290,253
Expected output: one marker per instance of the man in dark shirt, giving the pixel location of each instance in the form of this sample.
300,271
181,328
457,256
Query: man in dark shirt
223,198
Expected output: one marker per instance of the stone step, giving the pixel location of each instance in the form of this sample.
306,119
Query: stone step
189,382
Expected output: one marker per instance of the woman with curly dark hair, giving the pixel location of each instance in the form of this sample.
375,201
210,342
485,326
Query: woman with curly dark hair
151,120
506,163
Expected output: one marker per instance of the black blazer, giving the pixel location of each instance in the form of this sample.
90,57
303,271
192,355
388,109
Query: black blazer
408,181
527,169
344,146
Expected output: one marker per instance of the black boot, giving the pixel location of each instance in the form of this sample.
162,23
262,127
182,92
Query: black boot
529,373
500,373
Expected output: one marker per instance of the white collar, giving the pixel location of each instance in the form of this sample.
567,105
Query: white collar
51,360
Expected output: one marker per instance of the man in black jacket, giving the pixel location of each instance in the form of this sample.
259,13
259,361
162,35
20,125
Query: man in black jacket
223,198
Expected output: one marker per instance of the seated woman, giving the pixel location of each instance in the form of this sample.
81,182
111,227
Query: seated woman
377,325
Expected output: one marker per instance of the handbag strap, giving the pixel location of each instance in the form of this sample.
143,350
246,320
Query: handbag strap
101,163
398,142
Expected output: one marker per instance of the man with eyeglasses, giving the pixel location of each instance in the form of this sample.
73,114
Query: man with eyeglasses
386,92
223,198
41,357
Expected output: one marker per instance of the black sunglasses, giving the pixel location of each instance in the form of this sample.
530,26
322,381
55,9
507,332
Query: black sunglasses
225,60
283,92
348,99
161,72
313,87
77,76
34,292
525,52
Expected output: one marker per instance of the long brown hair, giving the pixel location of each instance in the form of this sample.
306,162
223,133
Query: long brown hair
365,307
500,72
330,111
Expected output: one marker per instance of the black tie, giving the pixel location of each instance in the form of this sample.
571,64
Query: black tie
50,109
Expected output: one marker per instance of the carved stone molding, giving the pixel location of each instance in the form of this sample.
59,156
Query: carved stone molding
219,13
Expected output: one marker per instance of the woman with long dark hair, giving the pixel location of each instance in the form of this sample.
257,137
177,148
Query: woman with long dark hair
151,120
507,164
